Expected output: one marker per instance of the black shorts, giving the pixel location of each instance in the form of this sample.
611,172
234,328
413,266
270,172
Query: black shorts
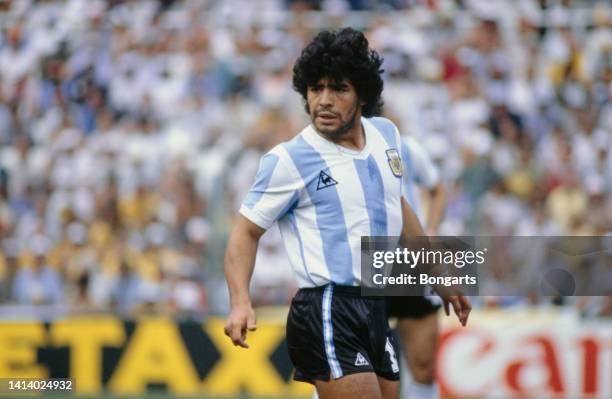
411,307
334,331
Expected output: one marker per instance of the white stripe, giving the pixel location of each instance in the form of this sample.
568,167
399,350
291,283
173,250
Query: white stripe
294,248
328,334
391,183
280,189
306,222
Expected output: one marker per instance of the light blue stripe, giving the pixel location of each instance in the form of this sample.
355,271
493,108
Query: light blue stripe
293,202
409,178
328,333
328,210
296,231
262,180
374,193
387,129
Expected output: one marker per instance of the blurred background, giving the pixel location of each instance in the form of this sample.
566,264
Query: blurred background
130,132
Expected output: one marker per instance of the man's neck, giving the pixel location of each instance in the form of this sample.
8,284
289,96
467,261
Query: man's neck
354,139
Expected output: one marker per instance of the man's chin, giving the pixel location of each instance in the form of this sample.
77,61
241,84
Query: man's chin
325,129
330,131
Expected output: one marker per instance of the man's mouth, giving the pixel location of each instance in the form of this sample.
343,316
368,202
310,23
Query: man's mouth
326,115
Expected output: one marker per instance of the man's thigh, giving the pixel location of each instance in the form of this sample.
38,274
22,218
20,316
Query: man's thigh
360,385
419,339
389,389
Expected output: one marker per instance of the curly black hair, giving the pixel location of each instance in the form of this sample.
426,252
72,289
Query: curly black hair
339,55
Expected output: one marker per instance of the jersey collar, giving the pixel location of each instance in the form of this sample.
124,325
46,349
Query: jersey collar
321,143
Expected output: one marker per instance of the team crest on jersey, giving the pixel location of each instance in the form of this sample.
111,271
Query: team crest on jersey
395,162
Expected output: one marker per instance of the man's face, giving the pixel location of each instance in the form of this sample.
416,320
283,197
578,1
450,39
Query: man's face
334,107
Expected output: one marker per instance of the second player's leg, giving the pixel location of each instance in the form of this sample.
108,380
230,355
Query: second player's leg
419,339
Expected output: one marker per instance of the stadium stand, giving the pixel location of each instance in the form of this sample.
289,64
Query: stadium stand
131,130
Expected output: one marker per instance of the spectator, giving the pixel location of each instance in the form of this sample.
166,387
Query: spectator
38,284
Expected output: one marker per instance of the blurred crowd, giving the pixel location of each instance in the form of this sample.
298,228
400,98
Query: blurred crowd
130,131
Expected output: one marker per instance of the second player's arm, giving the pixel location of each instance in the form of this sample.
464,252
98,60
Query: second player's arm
437,205
412,228
238,268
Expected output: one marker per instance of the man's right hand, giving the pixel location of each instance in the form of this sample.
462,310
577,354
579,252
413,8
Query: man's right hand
461,306
241,319
452,296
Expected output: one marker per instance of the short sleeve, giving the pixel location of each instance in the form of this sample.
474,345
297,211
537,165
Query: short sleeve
273,194
420,166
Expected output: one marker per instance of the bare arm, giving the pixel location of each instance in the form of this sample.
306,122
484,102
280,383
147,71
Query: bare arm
238,268
412,228
437,204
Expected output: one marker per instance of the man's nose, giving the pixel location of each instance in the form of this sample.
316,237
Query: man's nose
327,97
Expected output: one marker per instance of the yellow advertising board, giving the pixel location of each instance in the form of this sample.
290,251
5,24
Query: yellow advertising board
504,354
107,353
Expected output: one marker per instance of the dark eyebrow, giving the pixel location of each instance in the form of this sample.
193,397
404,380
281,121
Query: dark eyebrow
334,85
338,85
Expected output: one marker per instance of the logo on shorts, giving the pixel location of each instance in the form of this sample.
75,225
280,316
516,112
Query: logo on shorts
325,180
361,361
